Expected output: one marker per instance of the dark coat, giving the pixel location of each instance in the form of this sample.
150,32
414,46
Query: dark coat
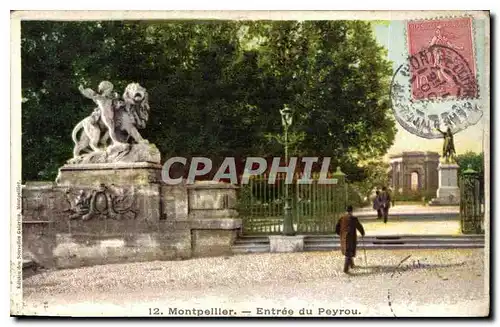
385,200
346,229
377,203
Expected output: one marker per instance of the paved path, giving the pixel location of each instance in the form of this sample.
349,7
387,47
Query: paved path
408,219
394,226
429,282
406,227
411,210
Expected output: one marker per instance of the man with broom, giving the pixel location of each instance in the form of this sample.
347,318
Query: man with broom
346,228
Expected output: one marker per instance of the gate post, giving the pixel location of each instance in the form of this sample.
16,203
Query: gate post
470,202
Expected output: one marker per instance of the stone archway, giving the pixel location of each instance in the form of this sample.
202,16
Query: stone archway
409,167
415,183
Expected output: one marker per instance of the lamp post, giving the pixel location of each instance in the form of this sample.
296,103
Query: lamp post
286,121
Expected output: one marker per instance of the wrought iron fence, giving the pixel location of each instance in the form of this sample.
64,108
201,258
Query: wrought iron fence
471,202
316,207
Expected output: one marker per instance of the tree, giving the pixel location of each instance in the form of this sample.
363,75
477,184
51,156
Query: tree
475,160
375,176
334,75
215,87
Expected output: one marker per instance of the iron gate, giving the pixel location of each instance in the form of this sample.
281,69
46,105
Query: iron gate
471,202
316,207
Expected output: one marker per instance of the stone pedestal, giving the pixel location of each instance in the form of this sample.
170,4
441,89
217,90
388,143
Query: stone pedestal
137,173
137,185
448,192
282,243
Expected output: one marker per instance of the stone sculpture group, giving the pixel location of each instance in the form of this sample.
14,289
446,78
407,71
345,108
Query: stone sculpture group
110,133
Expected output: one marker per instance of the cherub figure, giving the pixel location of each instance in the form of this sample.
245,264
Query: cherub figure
117,118
106,100
95,116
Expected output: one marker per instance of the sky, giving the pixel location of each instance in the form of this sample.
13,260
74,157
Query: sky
393,38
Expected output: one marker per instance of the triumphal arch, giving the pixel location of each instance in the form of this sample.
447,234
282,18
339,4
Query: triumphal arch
414,171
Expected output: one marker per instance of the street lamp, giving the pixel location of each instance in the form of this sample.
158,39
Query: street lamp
286,121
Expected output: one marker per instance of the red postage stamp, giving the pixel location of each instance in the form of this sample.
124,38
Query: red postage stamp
442,61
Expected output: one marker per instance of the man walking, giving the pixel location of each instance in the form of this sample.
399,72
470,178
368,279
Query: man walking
392,199
376,204
385,203
346,228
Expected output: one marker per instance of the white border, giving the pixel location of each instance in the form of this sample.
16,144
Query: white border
256,4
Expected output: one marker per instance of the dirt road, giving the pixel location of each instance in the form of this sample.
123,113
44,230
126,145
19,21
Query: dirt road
428,282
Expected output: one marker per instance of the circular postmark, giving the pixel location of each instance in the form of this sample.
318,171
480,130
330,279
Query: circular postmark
440,72
434,89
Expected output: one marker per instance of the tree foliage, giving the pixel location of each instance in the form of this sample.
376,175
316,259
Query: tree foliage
472,159
215,87
375,175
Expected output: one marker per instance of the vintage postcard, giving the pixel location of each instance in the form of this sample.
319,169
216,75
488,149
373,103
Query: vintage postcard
250,164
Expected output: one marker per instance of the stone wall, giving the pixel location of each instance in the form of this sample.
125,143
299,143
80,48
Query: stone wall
175,202
117,244
152,221
213,237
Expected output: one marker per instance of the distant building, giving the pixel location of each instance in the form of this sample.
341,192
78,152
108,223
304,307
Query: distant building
414,171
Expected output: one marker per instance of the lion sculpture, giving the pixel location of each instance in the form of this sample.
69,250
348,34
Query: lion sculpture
113,124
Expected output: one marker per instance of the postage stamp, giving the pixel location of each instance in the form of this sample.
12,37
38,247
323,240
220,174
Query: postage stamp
437,86
442,59
250,164
423,118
